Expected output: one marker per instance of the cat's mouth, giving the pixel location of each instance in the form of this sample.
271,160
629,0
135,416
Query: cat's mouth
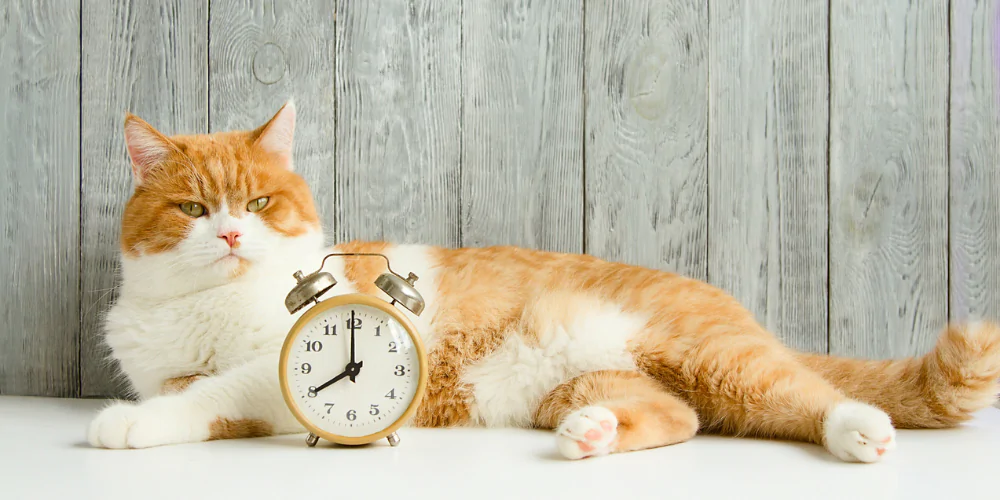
231,258
233,264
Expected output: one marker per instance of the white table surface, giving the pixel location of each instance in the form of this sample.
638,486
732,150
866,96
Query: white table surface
43,454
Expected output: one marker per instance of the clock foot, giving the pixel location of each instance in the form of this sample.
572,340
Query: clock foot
393,439
312,439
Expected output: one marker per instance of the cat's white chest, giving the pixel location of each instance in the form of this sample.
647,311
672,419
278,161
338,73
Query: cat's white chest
205,332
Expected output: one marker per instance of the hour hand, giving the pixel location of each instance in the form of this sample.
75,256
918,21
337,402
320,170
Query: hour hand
330,382
351,370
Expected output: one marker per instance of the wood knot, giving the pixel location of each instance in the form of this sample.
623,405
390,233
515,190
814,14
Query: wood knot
661,80
269,64
649,81
865,207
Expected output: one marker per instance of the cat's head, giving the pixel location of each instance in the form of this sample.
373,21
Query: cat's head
214,206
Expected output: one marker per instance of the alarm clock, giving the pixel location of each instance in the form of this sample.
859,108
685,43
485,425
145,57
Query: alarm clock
353,368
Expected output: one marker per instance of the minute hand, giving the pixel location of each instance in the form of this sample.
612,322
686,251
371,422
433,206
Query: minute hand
353,328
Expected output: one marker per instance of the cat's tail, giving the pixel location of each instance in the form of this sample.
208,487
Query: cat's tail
941,389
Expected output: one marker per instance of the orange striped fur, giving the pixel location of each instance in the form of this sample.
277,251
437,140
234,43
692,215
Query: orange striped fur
695,359
704,352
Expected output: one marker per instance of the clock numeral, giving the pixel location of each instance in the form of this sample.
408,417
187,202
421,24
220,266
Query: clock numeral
400,371
392,347
351,415
312,391
313,346
373,410
306,368
329,406
329,329
354,323
378,331
391,394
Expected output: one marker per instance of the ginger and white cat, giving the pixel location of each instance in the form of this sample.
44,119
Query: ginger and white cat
613,357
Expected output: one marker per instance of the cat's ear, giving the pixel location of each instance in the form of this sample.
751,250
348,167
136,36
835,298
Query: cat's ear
147,147
276,136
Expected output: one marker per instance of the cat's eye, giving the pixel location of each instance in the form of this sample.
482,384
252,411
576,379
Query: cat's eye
258,204
193,209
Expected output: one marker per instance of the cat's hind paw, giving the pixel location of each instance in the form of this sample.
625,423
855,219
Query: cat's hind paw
589,432
856,432
153,423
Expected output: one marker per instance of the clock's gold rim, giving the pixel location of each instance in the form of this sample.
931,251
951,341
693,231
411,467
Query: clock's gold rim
339,300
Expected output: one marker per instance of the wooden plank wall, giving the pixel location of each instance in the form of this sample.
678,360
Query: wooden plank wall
522,125
398,125
646,148
831,163
974,201
888,176
767,173
40,198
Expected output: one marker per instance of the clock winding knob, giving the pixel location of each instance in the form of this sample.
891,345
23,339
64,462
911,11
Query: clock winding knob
309,288
402,291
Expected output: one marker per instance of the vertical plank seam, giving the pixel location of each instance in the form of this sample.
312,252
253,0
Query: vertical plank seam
948,276
829,167
708,140
335,220
79,201
208,68
583,118
461,121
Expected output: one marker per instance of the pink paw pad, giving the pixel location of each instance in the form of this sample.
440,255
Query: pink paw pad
591,431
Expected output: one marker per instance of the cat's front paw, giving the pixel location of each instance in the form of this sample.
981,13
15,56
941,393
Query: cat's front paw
156,422
856,432
588,432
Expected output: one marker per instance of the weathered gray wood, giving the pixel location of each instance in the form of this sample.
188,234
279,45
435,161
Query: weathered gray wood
40,198
150,58
646,136
263,53
464,124
767,163
522,125
398,121
975,160
888,181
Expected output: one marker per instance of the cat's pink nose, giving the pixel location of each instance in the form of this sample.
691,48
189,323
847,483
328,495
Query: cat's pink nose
230,238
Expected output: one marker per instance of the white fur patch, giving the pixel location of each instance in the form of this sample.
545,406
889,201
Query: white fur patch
165,420
248,391
418,260
856,432
509,384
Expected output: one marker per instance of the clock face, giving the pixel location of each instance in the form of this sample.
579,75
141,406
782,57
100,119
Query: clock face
359,395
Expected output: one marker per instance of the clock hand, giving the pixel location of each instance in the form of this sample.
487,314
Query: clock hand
351,370
352,336
330,382
353,328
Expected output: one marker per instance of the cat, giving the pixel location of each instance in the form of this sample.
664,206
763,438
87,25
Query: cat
612,357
